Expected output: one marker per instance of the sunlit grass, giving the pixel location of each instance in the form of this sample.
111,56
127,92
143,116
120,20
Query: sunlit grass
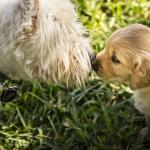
100,116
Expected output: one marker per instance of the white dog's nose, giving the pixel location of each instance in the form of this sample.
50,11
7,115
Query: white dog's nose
92,57
96,65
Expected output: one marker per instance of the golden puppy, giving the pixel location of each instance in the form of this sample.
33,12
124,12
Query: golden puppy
126,58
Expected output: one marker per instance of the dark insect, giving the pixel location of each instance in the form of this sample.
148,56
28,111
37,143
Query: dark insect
8,93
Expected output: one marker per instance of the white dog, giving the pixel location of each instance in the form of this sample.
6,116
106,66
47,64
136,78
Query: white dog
43,39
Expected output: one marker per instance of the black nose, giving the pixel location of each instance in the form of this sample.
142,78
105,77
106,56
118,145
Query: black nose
92,57
95,65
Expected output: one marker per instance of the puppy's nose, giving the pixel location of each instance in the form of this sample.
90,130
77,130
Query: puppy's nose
96,65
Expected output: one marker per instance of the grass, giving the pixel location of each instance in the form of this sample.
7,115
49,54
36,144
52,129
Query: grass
98,117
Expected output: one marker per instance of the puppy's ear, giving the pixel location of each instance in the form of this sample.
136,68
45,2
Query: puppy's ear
141,72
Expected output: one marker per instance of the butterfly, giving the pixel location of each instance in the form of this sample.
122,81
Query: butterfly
8,93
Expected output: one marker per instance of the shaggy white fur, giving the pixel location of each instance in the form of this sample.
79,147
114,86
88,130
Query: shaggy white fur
43,39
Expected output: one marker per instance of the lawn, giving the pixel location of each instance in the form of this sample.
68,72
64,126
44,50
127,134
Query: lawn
100,116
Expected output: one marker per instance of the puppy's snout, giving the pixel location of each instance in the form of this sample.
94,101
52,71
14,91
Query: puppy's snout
96,65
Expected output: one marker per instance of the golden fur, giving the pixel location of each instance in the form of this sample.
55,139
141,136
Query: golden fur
126,58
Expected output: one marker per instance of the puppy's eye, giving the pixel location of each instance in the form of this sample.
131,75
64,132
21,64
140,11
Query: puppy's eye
115,60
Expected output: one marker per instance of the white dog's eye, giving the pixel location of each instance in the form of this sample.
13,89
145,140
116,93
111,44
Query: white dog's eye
115,60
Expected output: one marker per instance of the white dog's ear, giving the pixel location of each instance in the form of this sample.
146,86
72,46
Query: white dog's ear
141,72
26,17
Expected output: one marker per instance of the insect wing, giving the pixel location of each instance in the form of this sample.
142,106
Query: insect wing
9,94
